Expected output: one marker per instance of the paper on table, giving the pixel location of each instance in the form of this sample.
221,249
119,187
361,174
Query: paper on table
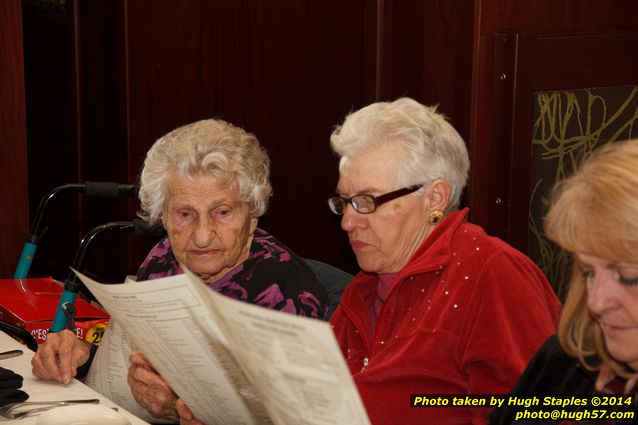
108,371
39,389
188,332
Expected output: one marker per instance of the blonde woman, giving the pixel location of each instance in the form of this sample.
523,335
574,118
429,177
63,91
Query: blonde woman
594,216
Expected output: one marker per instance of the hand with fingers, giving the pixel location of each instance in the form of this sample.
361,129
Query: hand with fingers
150,390
185,414
59,357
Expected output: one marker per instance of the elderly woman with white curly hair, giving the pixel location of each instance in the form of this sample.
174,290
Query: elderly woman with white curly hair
207,183
439,306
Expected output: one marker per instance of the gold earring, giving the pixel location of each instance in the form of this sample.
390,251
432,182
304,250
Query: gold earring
435,216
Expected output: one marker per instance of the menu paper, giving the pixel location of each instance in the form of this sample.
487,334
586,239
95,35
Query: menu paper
231,362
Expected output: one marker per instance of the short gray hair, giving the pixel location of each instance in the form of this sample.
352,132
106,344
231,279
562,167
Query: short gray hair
429,147
213,147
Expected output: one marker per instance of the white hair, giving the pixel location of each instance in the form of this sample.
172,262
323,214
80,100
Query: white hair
428,147
213,147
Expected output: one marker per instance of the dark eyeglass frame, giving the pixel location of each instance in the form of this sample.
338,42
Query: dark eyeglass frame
376,201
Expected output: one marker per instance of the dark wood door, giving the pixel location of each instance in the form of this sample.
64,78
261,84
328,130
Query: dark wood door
557,98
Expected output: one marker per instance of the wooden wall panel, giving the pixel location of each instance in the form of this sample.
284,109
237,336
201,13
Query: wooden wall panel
555,62
100,108
52,155
286,71
493,164
13,165
431,56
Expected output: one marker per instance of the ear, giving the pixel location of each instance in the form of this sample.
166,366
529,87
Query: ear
253,224
438,194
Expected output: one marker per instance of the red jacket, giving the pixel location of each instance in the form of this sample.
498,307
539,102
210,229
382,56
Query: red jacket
467,313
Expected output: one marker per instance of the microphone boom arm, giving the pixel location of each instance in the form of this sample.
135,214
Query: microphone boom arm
72,285
90,189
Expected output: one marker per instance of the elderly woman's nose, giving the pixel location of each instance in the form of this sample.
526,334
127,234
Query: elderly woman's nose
204,232
601,295
351,219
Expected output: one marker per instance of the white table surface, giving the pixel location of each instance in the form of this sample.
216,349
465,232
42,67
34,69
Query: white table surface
39,390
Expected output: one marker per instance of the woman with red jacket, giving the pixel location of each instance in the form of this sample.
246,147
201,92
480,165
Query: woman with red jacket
439,307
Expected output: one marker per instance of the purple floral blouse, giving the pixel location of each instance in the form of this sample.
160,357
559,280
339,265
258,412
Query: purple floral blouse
272,276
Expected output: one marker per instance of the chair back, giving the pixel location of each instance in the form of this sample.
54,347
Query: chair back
333,279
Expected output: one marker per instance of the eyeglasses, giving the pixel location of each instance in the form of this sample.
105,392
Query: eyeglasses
366,204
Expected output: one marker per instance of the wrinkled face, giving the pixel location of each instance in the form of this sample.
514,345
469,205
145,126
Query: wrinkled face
210,229
385,239
612,297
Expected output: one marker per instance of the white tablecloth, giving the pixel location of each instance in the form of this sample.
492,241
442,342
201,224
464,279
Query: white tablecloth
39,390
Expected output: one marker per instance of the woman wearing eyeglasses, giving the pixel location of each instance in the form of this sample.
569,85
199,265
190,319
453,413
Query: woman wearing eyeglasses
439,307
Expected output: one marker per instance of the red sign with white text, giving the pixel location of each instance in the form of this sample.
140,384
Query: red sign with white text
31,304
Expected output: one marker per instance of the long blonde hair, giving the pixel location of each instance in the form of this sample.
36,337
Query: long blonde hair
595,211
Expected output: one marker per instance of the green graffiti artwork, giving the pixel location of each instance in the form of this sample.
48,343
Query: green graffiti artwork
568,126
